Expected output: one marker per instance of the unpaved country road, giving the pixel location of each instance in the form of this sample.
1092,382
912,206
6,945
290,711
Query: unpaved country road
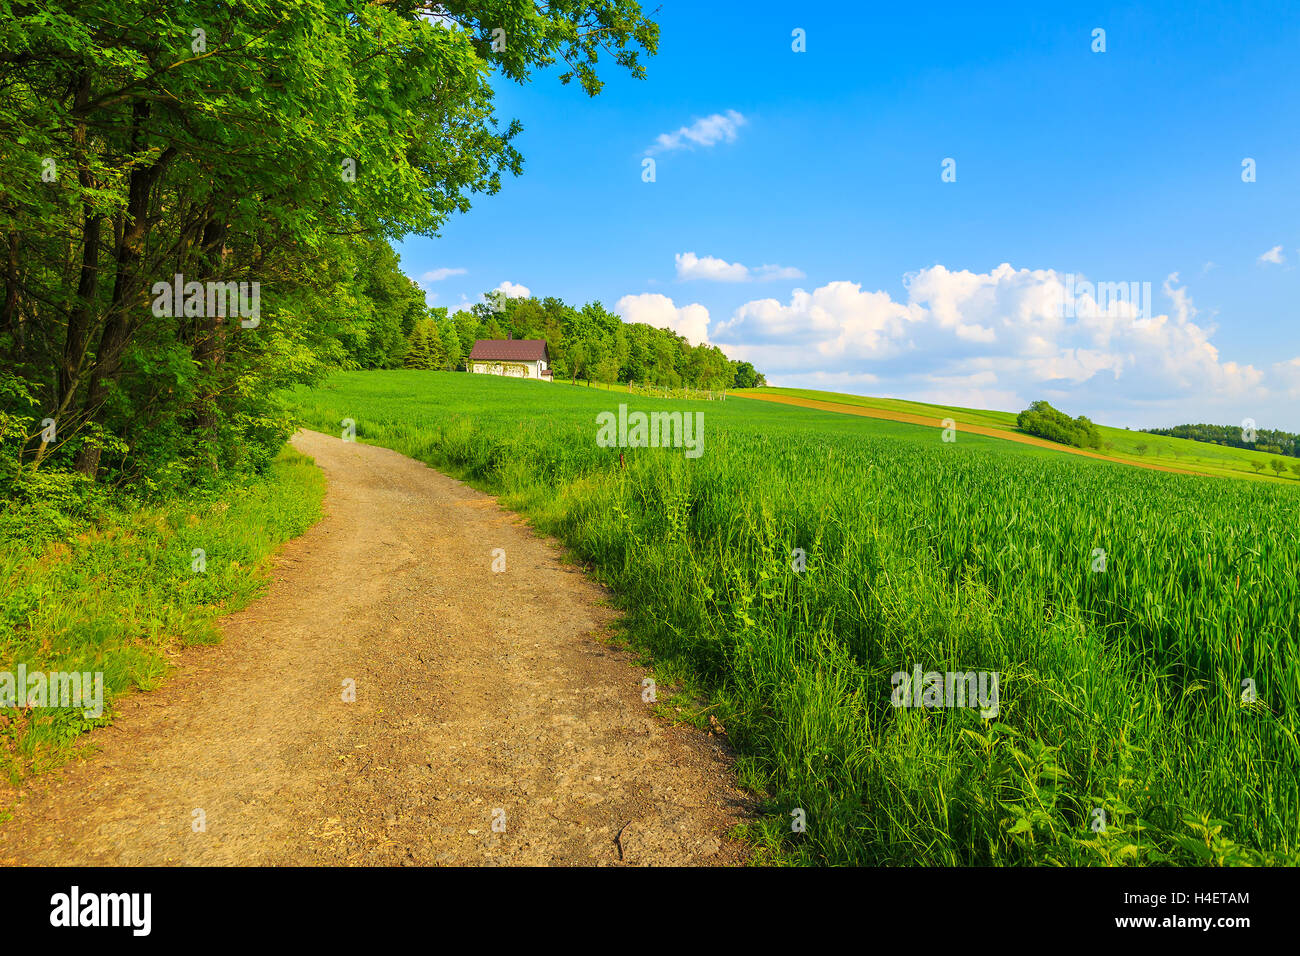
476,692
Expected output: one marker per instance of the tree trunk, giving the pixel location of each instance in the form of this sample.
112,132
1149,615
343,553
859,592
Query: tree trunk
77,335
8,317
210,347
117,327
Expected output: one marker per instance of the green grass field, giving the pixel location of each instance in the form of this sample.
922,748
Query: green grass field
1121,689
972,415
117,592
1119,443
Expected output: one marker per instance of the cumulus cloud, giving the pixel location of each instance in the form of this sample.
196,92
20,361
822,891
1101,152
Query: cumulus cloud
836,322
512,290
999,339
717,128
1274,255
654,309
691,266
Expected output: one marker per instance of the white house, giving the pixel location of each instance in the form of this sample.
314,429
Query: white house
518,358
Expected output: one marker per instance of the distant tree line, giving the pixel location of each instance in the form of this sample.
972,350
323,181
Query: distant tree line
1266,439
589,344
1043,420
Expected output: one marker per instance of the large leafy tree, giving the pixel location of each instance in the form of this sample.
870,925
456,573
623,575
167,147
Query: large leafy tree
280,142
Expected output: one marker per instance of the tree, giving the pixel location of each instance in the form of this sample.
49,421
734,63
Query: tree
1041,419
1258,466
1278,466
425,349
467,331
451,353
394,303
417,348
277,144
1235,436
744,375
590,343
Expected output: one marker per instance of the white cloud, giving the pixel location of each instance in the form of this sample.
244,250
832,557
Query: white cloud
654,309
1274,255
837,321
691,266
512,290
1287,376
708,131
427,279
1001,339
507,289
437,275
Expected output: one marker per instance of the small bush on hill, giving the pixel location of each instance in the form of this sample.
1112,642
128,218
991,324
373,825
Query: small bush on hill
1043,420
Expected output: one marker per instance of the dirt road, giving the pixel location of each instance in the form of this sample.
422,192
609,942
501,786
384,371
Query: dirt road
491,725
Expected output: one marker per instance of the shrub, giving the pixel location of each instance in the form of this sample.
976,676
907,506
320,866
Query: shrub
1043,420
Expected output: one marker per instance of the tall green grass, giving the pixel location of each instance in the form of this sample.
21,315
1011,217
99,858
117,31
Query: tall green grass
1121,690
116,591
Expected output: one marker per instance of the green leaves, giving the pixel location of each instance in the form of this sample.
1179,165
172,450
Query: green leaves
274,141
1043,420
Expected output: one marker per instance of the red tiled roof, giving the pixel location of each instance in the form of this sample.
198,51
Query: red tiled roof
510,350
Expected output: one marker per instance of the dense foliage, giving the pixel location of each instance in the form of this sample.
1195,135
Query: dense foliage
1236,436
1043,420
588,344
275,143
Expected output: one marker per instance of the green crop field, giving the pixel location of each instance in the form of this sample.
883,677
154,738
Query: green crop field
1119,443
972,415
1142,626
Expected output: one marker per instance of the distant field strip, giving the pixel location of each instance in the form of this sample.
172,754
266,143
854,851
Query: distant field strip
965,426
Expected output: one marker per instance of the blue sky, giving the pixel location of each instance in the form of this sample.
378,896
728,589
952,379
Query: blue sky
883,279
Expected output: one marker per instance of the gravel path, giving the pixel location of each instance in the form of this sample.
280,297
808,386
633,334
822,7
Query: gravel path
491,723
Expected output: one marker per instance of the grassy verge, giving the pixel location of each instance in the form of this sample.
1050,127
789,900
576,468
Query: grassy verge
118,593
1122,608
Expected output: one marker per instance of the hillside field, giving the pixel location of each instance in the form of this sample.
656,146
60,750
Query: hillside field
1121,444
1143,625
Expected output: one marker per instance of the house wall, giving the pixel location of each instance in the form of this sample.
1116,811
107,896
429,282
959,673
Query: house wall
511,369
